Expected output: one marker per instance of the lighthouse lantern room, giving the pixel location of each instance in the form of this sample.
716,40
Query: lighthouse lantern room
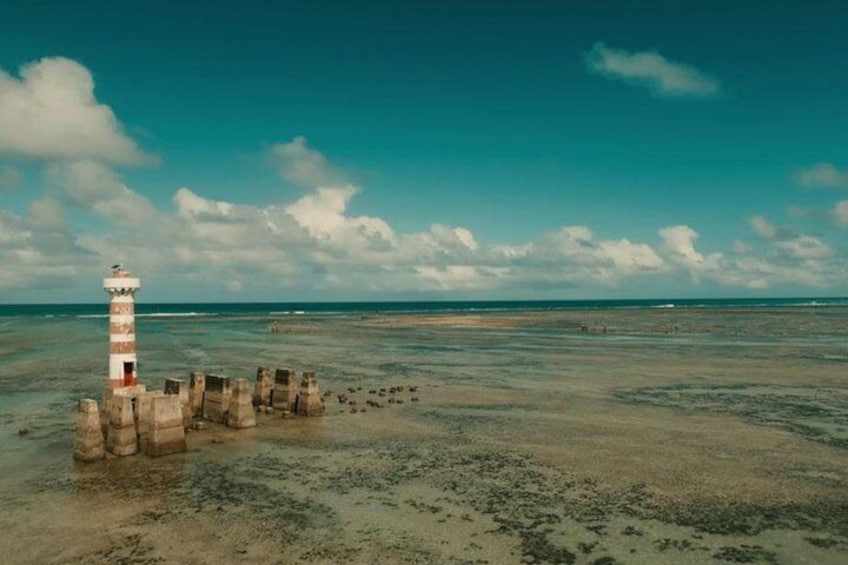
123,364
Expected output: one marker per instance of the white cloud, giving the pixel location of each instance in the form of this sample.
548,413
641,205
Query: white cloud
680,242
805,247
606,261
190,205
98,188
300,164
47,213
823,175
763,227
11,230
50,112
651,70
454,238
800,260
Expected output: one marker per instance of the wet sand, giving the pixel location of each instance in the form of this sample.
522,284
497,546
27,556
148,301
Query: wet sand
693,437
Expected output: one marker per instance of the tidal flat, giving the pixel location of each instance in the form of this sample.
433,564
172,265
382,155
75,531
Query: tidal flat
581,436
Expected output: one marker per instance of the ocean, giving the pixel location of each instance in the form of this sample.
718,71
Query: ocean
633,431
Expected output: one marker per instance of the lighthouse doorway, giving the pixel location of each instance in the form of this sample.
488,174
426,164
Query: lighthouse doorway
128,374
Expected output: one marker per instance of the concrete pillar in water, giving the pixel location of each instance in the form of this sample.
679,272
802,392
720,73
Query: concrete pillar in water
216,398
122,439
167,434
309,402
88,442
144,417
179,388
196,388
123,364
263,388
285,389
241,413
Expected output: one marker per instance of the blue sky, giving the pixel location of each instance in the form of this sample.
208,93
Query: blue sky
326,151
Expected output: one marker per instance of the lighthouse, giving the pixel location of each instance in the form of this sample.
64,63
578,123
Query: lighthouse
123,365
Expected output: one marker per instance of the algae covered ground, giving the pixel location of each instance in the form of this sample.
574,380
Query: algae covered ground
674,437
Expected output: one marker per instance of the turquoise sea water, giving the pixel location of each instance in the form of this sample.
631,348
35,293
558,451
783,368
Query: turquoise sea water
667,431
242,308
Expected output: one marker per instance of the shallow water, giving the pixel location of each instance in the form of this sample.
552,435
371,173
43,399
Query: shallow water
640,435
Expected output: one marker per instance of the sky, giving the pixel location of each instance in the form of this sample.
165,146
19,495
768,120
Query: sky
311,151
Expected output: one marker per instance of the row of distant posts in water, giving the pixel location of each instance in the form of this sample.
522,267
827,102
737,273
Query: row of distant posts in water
133,420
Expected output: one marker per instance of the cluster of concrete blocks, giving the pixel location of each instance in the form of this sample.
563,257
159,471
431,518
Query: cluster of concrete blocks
282,392
134,420
131,421
220,400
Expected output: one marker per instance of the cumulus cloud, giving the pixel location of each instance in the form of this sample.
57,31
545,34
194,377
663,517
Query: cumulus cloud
680,242
611,258
763,228
314,245
38,254
805,247
97,187
651,70
47,213
823,175
51,112
301,165
800,260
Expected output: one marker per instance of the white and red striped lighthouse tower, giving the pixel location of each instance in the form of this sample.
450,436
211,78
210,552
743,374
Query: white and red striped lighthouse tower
123,365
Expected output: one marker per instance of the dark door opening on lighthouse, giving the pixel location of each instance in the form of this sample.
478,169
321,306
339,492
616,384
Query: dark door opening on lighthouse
128,374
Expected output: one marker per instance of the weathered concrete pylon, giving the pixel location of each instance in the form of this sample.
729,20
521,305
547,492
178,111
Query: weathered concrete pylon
89,444
285,390
309,402
241,414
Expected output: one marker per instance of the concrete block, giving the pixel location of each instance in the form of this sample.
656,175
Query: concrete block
89,444
241,414
122,441
144,416
167,434
263,388
179,388
121,413
216,398
214,412
167,412
167,441
196,387
285,389
309,401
